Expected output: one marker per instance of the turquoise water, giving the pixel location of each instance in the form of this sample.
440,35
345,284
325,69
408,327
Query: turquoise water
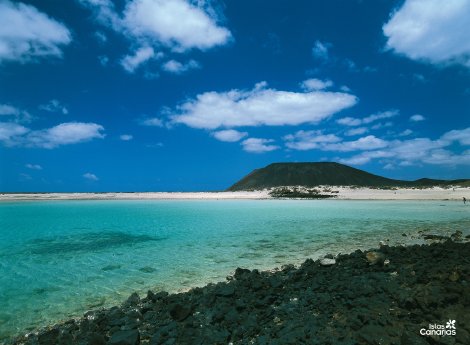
61,258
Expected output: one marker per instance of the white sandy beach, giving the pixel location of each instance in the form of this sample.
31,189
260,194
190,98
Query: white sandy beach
343,193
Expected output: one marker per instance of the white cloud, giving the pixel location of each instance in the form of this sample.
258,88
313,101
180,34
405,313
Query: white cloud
320,50
177,67
54,106
19,115
12,134
431,30
6,109
351,121
356,131
308,140
369,142
229,135
382,125
382,115
365,157
316,84
33,166
9,131
405,133
258,145
417,118
177,24
25,177
461,136
90,176
27,34
101,37
419,151
260,106
152,122
140,56
126,137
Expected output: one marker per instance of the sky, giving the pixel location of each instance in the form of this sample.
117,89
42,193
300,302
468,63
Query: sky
191,95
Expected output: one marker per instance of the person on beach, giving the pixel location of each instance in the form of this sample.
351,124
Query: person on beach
464,200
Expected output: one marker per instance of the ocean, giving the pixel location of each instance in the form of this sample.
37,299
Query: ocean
59,259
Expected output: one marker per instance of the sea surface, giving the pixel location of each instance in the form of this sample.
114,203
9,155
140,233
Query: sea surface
59,259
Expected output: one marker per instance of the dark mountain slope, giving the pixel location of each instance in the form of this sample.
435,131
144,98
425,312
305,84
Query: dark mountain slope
323,173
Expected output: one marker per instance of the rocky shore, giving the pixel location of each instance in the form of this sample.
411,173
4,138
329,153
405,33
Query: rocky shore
382,296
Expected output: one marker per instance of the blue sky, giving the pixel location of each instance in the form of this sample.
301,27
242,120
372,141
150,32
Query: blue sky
157,95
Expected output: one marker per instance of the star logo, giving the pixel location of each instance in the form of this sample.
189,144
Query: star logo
450,324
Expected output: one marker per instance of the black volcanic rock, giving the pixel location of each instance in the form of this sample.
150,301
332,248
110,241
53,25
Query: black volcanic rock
324,173
351,302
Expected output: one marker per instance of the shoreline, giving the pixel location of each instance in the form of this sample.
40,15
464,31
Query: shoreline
361,281
337,193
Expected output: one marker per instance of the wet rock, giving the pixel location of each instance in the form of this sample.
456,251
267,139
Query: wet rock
375,258
456,236
241,273
133,300
49,337
129,337
151,296
435,237
329,256
179,312
226,291
96,339
454,276
327,262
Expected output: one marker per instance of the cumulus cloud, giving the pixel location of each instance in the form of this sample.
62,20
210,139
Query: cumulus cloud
258,145
461,136
12,134
33,166
431,30
316,84
260,106
320,50
308,140
90,176
177,24
6,109
229,135
27,34
54,106
405,133
365,157
9,131
419,151
152,122
351,121
417,118
356,131
140,56
126,137
176,67
15,114
369,142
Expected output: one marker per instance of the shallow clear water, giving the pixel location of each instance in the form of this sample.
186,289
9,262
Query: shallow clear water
61,258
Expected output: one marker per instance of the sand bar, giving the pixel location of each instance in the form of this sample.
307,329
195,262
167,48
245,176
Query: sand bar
342,193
